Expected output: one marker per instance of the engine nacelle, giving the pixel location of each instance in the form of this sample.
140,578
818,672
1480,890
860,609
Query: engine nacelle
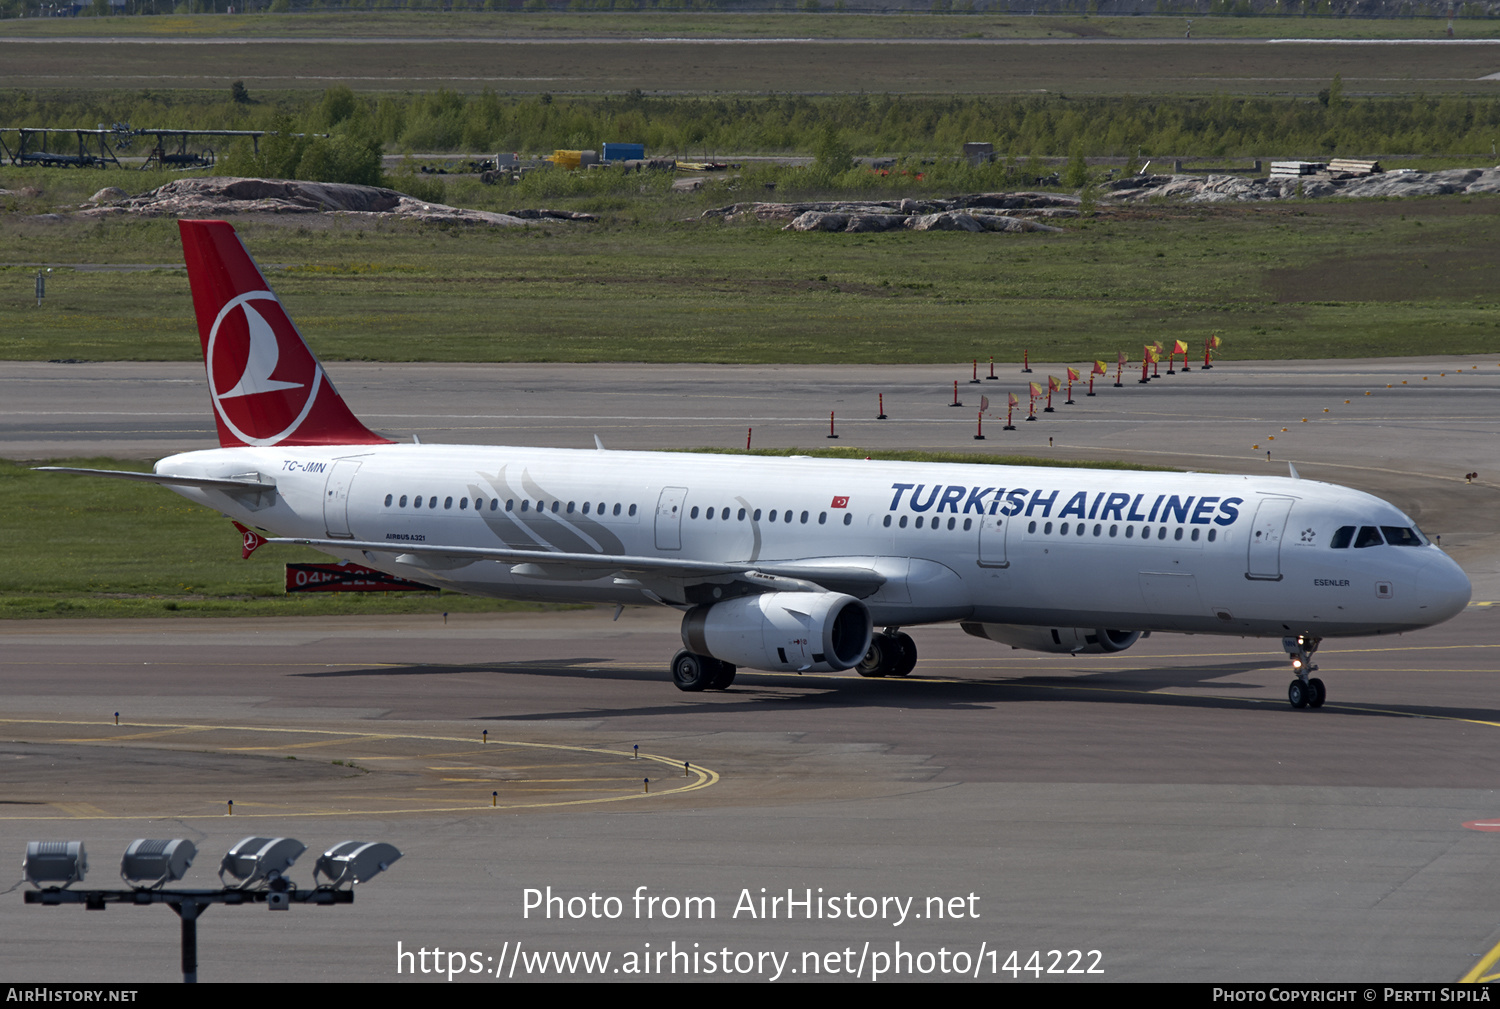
1065,640
809,631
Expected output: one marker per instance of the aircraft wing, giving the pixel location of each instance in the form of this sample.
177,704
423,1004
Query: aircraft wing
851,578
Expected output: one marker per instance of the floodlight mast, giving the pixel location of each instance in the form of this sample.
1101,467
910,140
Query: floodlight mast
258,862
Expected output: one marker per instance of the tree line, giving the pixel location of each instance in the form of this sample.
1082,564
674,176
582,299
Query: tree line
347,132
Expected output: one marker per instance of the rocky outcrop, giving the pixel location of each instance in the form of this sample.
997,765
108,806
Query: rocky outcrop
224,196
973,213
1237,188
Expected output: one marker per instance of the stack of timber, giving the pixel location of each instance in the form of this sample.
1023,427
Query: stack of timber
1295,169
1349,168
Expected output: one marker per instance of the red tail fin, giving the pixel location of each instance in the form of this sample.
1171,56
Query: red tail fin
266,385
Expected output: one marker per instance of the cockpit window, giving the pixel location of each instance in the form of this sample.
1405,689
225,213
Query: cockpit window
1369,536
1342,538
1401,536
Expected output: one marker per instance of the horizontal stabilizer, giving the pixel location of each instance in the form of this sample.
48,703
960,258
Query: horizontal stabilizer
203,483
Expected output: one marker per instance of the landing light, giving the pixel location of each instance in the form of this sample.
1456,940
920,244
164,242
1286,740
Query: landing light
257,863
354,862
260,860
149,863
55,862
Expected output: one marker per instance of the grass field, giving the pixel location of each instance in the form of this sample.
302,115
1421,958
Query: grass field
652,281
788,24
811,67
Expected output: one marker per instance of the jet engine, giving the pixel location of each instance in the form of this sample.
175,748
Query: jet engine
1067,640
806,631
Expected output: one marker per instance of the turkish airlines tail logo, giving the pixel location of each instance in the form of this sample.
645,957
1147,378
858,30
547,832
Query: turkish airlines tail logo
266,385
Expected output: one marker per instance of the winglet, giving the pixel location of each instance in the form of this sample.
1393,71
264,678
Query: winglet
599,443
253,541
1293,469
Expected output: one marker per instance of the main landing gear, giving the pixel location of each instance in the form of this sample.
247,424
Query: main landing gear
694,672
1304,692
891,654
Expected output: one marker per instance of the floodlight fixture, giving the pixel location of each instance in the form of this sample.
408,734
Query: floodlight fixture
260,860
148,863
58,863
354,862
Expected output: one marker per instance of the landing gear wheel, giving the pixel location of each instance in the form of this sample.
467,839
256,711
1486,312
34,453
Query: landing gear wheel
877,661
692,672
723,675
907,661
1318,693
1299,694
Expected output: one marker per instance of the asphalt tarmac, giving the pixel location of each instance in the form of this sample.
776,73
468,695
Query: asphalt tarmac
1163,807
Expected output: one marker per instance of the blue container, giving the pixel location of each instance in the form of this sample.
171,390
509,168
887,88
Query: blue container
624,152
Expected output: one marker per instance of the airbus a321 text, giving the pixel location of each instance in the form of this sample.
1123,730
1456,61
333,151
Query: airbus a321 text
791,564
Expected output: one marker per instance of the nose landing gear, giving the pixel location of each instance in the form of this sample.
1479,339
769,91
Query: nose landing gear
1304,692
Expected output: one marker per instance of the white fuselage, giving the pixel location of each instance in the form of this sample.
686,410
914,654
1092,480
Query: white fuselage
1088,548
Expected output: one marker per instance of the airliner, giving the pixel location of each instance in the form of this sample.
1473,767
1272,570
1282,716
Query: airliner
796,564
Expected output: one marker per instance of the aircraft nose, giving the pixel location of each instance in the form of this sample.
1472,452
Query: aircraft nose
1443,590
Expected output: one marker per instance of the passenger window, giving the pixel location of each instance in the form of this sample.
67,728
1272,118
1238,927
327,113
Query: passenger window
432,501
463,504
403,500
755,515
1399,536
804,518
1113,530
1062,530
586,505
632,510
525,506
952,523
510,504
617,510
388,500
555,505
968,524
448,502
1129,531
919,521
694,513
1047,528
1161,533
887,522
772,516
822,518
1195,535
494,504
1213,534
742,514
1030,526
903,521
1098,529
600,509
1369,536
848,518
